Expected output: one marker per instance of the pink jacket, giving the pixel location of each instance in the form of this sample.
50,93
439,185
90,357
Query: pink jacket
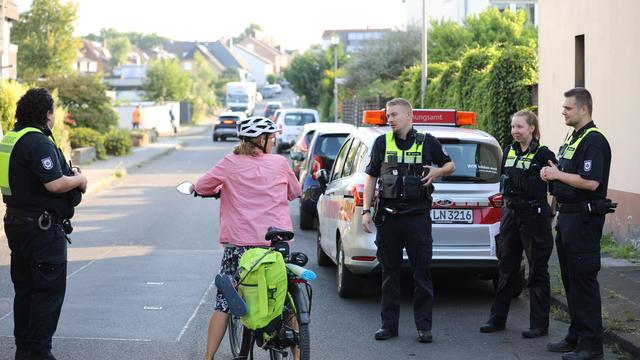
255,195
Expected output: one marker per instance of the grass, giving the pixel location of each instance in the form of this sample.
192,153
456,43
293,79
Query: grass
560,314
626,250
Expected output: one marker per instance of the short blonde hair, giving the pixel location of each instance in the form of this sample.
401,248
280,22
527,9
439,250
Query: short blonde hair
400,101
531,119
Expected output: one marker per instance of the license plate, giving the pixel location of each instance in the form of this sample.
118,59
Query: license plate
452,216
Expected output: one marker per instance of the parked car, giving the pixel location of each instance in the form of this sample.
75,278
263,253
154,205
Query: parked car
277,88
267,92
291,121
275,115
465,210
326,140
227,125
271,107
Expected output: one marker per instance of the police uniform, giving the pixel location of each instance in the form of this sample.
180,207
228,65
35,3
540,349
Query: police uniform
579,230
525,224
403,220
33,225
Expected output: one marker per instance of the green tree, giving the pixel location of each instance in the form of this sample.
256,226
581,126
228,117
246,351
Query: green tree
249,31
86,101
271,78
202,88
119,48
44,35
228,75
166,81
143,41
305,74
447,41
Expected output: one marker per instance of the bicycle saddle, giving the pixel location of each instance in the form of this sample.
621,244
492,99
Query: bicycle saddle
274,232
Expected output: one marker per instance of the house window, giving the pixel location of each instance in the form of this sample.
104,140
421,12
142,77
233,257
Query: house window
580,81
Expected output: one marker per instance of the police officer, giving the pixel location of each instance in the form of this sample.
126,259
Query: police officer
40,199
525,225
580,184
401,161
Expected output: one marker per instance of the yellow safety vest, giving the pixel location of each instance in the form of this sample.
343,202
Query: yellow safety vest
568,149
411,156
6,147
525,161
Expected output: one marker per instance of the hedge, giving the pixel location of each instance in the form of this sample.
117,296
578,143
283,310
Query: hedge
118,142
83,137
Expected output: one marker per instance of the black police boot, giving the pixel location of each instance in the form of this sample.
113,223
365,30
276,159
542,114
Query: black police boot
533,333
424,336
385,334
491,327
583,355
561,346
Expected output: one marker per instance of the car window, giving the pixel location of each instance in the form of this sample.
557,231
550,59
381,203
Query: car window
475,162
309,136
326,148
350,163
362,158
238,98
337,166
298,119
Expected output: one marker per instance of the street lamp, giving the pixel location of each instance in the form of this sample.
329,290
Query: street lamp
335,40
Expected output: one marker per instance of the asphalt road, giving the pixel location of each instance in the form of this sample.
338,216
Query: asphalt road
140,284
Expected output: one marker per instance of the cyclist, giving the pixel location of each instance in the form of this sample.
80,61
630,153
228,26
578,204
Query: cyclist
257,185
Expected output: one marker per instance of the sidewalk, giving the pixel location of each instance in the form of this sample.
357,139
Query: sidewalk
620,293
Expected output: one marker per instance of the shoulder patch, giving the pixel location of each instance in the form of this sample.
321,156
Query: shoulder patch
587,165
47,163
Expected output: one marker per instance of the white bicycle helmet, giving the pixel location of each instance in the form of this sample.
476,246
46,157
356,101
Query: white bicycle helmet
256,126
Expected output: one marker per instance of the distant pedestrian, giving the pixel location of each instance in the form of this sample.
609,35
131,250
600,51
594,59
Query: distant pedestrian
580,182
172,118
136,117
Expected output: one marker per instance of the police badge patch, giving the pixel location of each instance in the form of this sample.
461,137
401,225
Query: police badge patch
587,165
47,163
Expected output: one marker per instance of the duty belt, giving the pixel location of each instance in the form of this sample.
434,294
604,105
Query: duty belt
597,207
43,219
524,204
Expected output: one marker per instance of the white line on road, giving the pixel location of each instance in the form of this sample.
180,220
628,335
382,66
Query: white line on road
186,326
70,275
89,338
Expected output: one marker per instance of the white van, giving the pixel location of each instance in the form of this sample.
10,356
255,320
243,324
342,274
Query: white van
290,122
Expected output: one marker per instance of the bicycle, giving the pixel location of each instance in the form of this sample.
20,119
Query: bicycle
293,337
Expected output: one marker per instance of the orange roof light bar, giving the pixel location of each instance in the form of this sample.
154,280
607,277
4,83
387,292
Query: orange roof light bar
374,117
465,118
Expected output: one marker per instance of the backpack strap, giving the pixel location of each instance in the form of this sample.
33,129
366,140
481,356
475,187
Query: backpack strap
263,302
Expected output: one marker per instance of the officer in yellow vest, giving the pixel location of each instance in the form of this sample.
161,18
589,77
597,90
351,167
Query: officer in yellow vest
401,162
525,225
40,201
580,183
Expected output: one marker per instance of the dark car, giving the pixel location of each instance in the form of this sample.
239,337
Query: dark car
271,108
227,125
321,154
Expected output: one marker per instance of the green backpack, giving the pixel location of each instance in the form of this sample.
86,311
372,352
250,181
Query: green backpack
263,286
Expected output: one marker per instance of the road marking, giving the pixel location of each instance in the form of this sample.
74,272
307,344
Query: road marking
88,338
70,275
186,326
149,307
155,283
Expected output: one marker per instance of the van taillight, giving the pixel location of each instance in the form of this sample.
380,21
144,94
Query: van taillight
358,194
496,200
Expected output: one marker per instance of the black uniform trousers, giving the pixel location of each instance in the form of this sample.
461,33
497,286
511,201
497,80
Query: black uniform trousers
578,243
529,231
38,272
412,232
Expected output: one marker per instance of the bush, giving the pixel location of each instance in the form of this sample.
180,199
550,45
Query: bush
10,93
118,142
83,137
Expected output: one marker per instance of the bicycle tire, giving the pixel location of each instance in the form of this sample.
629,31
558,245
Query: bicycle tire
304,340
240,339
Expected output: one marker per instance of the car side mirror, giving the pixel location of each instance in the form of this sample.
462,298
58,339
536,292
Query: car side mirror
297,156
323,178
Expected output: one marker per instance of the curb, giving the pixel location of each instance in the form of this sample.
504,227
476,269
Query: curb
122,172
610,337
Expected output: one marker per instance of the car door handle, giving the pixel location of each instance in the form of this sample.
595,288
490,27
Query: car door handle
330,192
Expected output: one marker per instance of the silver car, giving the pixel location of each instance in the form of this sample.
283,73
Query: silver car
465,211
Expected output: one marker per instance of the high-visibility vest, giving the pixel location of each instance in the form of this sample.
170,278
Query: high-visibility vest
411,156
520,163
568,149
6,147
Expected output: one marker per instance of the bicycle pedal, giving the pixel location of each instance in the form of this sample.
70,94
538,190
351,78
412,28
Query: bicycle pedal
237,306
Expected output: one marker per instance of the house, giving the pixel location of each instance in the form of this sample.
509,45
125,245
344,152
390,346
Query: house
228,58
352,40
8,51
188,59
597,48
273,54
93,57
458,10
259,66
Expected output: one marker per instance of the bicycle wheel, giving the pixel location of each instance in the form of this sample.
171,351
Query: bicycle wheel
239,338
301,351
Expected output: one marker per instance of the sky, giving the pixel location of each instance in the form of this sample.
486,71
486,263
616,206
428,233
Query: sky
295,24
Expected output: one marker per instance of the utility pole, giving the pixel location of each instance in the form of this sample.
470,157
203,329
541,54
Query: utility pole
423,87
335,40
1,39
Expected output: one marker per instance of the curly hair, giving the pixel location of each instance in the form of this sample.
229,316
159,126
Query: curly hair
248,147
33,107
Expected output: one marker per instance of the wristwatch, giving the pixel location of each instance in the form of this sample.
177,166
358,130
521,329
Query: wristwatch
366,211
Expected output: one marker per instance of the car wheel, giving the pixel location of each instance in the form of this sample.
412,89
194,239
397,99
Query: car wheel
321,256
215,138
306,220
348,284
